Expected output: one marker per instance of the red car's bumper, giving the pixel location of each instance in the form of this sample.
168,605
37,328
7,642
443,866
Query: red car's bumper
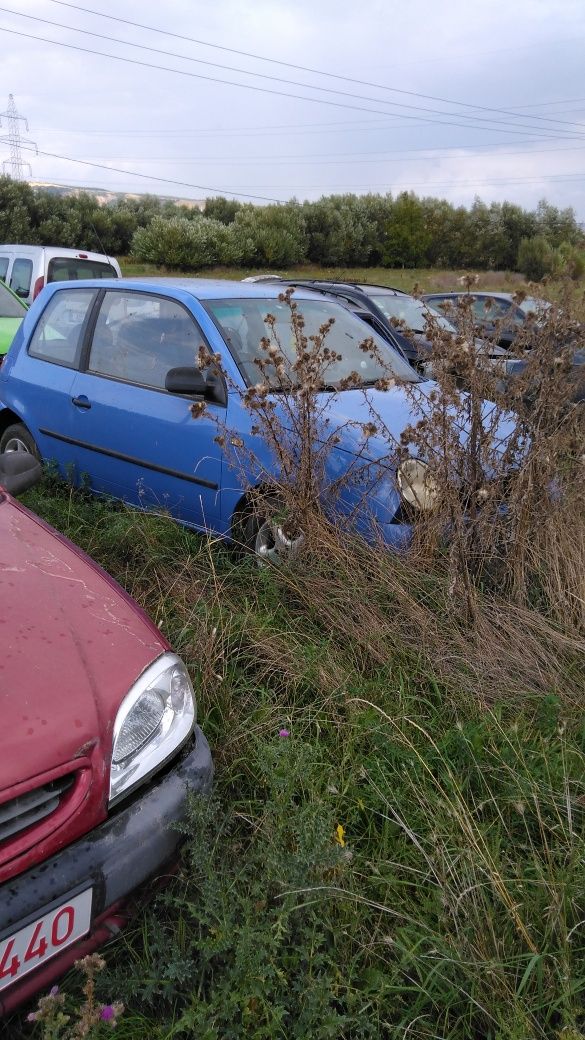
114,860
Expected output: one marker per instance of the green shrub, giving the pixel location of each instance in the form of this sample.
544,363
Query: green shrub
570,261
536,258
181,243
270,236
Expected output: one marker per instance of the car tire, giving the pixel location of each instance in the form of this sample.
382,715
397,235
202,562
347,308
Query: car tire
265,538
18,438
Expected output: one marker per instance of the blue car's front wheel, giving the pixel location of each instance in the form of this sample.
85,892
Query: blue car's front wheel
268,538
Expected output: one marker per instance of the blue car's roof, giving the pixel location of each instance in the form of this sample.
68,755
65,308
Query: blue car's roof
222,288
200,288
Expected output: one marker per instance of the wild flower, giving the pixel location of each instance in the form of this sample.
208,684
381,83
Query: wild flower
111,1012
85,1019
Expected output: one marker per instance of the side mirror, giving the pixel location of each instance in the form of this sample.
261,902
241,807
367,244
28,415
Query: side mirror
22,293
19,471
185,380
192,382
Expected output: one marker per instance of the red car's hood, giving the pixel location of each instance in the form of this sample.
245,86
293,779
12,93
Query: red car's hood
71,645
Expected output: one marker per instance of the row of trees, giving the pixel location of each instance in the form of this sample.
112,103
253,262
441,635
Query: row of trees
370,230
339,230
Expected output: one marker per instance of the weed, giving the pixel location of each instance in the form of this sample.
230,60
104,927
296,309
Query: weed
59,1019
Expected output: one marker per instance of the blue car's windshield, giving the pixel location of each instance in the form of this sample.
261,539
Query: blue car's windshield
243,325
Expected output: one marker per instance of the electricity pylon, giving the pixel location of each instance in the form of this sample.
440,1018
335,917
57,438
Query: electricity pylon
17,167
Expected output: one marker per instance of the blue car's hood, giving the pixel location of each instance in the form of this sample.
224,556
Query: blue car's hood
345,413
360,468
390,410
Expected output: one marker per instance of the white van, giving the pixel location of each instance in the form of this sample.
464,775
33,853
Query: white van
26,269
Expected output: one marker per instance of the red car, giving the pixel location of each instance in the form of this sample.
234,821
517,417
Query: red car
98,748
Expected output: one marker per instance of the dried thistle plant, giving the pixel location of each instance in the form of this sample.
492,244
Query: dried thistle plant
504,477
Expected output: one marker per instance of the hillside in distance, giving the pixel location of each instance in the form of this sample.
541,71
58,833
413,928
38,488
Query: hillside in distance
103,196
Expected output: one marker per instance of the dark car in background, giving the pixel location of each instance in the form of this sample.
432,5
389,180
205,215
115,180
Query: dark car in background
501,317
383,306
497,315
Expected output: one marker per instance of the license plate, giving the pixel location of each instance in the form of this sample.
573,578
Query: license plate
37,942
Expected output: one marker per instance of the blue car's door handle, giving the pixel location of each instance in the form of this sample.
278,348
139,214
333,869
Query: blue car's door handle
81,402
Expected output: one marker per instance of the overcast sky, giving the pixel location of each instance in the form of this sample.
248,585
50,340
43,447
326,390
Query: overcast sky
469,59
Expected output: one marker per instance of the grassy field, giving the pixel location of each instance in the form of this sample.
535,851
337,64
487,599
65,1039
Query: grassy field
395,848
428,280
409,861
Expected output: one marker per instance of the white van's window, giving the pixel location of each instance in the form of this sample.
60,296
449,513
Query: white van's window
4,261
59,333
71,269
21,276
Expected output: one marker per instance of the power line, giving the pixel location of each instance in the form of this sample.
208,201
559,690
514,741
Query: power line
355,125
282,130
499,125
297,83
386,187
152,177
290,65
546,104
318,127
345,158
390,185
297,187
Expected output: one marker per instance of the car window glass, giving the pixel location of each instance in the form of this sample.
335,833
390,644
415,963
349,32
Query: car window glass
243,324
532,306
139,337
445,305
489,309
59,333
9,306
516,315
412,312
72,269
21,276
4,261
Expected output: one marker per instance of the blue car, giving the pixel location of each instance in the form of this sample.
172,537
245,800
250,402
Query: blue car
102,377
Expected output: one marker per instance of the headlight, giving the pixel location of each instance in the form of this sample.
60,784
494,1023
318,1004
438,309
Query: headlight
416,484
155,718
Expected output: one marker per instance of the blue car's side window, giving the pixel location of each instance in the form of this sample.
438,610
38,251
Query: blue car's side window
59,334
139,337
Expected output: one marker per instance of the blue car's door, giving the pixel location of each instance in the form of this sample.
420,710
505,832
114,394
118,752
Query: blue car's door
130,436
39,387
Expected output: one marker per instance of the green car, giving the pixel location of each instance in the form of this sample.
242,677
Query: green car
12,311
